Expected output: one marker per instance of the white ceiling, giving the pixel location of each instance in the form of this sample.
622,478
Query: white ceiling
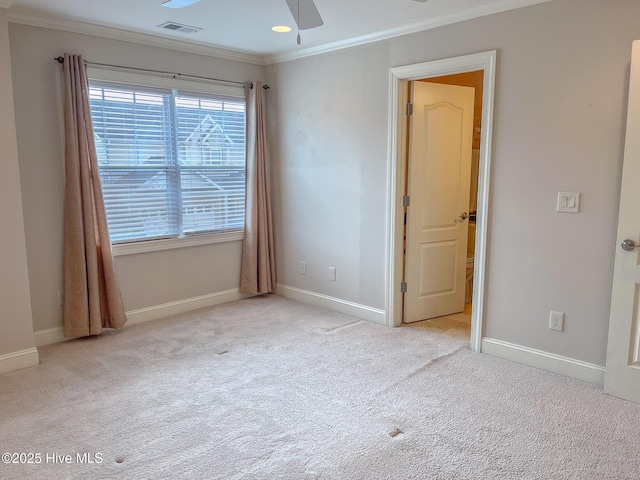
245,25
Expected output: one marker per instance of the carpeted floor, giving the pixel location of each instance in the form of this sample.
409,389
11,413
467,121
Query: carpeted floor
268,388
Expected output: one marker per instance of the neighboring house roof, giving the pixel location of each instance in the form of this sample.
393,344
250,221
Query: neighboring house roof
207,133
205,129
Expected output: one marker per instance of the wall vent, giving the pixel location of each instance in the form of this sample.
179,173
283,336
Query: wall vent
178,27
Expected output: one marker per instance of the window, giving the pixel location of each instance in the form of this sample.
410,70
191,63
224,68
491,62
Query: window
172,163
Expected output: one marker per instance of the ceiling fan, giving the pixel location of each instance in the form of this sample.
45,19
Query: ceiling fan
305,12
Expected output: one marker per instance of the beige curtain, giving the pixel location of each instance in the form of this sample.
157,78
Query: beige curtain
91,293
258,274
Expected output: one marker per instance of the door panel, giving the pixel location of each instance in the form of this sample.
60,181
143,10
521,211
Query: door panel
443,168
437,257
439,181
622,375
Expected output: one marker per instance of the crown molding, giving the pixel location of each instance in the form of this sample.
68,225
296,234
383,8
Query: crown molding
135,37
461,15
114,33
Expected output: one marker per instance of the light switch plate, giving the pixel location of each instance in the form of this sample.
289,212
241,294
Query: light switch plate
568,202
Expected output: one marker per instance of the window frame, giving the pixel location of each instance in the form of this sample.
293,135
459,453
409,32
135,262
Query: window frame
116,76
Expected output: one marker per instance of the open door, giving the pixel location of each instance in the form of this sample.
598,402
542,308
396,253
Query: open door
441,136
622,375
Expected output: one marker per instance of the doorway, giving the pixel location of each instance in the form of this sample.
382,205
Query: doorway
400,79
438,185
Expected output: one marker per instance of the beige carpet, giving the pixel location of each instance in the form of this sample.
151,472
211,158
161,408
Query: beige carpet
268,388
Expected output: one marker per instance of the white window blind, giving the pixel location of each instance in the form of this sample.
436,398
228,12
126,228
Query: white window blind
171,163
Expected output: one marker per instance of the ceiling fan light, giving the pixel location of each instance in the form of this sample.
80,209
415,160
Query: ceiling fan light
281,29
179,3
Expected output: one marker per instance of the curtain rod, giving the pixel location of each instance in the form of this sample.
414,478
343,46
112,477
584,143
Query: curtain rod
175,75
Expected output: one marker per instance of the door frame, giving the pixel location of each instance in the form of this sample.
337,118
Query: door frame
399,79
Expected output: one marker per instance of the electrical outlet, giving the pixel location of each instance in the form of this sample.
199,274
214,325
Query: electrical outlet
302,268
332,274
556,321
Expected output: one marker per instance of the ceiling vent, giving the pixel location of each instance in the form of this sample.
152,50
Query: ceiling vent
177,27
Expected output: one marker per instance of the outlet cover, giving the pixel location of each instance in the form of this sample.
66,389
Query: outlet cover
556,321
332,274
302,268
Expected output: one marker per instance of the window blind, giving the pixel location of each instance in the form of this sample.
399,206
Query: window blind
171,163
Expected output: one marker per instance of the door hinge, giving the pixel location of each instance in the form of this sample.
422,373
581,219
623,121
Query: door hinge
403,287
406,200
409,109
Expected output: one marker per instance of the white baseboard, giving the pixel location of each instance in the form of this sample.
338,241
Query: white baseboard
19,360
141,315
343,306
49,336
569,367
183,306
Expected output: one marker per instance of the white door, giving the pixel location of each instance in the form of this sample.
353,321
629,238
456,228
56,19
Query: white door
438,187
622,376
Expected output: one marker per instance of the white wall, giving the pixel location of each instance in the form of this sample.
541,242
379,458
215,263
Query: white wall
15,308
147,279
329,149
559,126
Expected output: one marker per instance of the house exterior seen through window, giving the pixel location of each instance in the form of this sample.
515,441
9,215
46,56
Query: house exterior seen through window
172,164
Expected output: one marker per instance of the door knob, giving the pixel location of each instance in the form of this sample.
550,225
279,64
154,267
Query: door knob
629,245
463,217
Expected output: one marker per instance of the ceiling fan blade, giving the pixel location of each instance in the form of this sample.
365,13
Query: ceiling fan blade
308,16
178,3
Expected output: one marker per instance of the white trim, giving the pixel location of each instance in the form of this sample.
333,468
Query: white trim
171,243
183,306
398,80
19,360
49,336
141,315
140,38
550,362
6,3
460,15
331,303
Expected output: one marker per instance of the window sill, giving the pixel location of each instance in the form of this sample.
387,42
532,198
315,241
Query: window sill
171,243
